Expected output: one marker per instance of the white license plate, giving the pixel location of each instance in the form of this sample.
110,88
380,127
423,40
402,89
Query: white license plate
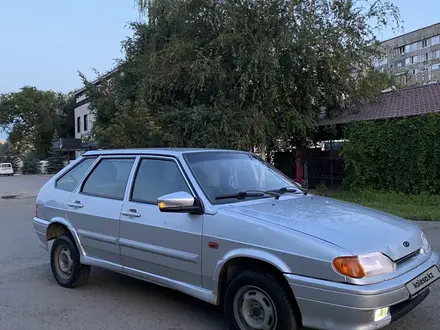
423,280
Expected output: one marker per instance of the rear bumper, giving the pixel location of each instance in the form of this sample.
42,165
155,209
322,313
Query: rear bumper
329,305
40,227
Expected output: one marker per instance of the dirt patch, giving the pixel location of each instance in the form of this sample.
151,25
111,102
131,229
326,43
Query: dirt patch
9,196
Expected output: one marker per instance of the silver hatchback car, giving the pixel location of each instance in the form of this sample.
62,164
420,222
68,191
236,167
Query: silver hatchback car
228,228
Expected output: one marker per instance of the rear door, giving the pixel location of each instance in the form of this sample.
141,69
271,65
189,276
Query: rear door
164,244
94,208
55,201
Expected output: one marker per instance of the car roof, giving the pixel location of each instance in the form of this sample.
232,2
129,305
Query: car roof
175,152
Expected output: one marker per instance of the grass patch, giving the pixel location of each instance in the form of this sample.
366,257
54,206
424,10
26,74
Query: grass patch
413,207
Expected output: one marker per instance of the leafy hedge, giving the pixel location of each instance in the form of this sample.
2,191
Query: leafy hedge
399,154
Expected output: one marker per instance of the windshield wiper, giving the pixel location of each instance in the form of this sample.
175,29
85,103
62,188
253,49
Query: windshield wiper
288,189
249,193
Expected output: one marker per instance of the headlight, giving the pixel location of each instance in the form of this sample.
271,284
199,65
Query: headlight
426,247
366,265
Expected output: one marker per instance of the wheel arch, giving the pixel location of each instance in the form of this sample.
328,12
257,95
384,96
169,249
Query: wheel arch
59,226
239,263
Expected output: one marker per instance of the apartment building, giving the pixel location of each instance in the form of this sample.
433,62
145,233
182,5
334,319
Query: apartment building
84,118
414,57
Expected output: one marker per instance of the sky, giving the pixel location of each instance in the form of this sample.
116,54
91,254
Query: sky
44,43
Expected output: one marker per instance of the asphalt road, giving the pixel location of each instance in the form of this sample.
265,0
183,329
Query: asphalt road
31,299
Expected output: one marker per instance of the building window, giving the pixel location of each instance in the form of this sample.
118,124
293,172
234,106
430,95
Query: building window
435,67
426,43
398,64
435,54
86,123
411,47
78,124
402,50
414,60
408,61
414,71
427,56
435,40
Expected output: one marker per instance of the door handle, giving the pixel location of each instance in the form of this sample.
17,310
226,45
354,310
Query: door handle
76,205
131,213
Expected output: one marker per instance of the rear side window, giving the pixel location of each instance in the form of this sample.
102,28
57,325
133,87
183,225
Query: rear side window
109,178
71,179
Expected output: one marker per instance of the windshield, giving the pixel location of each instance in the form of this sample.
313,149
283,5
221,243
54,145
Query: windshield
227,173
5,165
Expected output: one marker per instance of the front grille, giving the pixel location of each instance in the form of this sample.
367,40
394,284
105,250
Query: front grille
408,256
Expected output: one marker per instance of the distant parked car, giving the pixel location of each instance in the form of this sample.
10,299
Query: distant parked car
228,228
6,169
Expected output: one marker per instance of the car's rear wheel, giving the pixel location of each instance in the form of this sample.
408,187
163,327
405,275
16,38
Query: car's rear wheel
65,263
257,301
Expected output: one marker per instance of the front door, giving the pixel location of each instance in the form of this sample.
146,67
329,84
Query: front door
94,208
152,242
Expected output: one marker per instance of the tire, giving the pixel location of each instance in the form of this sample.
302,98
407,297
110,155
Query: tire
65,263
262,291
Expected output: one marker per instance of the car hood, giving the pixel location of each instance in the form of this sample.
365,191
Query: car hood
357,229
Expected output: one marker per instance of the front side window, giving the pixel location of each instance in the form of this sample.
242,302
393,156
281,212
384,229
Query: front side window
70,180
227,173
109,178
156,178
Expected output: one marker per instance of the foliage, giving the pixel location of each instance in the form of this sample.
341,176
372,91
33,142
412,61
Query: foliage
400,154
8,155
238,74
64,121
30,163
55,162
33,116
322,190
412,207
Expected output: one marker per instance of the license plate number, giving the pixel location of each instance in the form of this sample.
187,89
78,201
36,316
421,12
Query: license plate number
423,280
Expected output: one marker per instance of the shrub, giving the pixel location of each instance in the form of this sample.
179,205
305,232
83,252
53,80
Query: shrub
400,155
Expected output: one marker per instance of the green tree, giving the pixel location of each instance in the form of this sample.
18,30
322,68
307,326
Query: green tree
30,163
239,74
64,120
8,155
33,116
55,162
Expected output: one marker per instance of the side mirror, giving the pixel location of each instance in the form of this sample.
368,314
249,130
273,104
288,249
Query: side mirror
179,202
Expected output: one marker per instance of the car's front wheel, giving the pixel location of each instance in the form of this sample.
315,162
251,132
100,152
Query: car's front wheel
65,263
257,301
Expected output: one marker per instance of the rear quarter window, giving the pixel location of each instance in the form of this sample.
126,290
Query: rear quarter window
70,180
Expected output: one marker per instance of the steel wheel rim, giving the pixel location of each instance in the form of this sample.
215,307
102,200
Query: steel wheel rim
254,309
63,262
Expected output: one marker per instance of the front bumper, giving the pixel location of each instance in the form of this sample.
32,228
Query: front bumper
330,305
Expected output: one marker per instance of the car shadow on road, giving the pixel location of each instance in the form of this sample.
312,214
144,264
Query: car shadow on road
137,292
